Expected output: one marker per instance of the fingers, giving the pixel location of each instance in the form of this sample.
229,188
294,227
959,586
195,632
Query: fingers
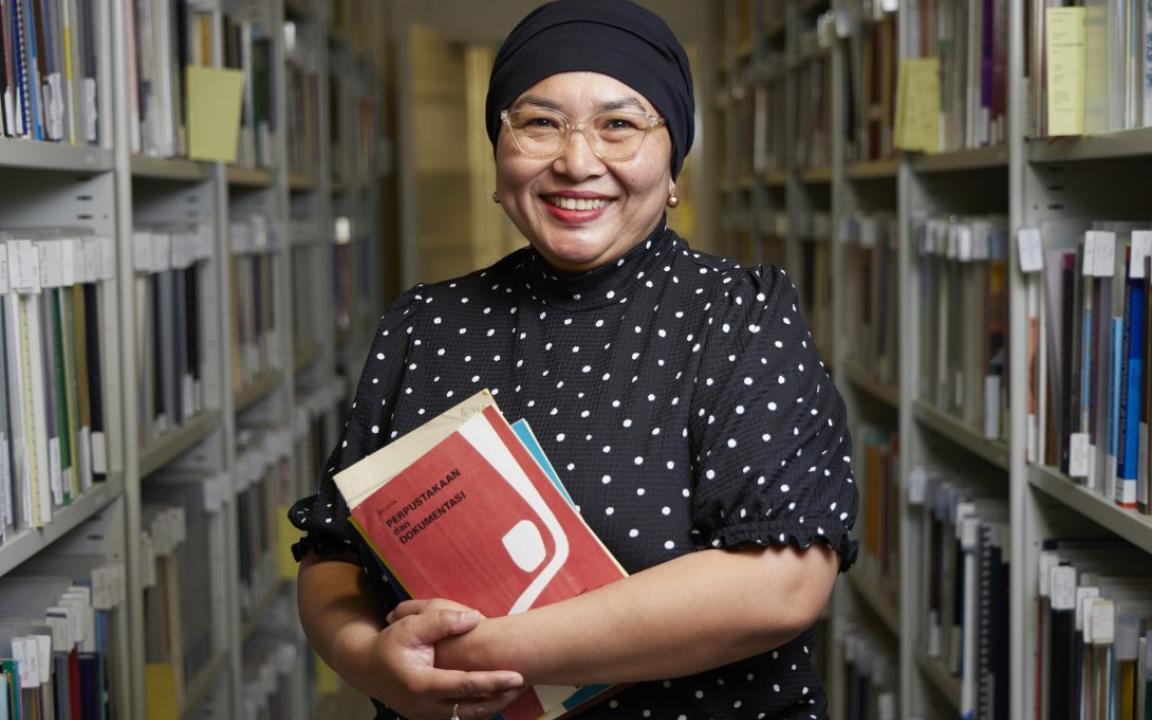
415,607
431,627
485,707
477,685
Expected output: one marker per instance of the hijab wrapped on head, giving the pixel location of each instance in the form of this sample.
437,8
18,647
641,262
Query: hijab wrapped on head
617,38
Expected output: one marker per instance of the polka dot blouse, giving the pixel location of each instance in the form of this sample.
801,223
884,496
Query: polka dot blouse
681,399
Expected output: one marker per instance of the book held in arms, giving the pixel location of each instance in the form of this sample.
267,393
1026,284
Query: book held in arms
465,508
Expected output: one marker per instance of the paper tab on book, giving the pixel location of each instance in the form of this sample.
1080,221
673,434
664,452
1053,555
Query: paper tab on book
1064,32
918,105
214,96
360,480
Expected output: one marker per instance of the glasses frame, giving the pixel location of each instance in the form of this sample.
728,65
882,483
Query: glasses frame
654,121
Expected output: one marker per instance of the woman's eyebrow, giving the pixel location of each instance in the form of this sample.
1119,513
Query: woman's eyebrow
623,103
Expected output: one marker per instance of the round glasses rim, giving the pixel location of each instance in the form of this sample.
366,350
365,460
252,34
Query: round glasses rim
654,121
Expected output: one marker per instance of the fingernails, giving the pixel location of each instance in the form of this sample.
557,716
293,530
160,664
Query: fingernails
469,616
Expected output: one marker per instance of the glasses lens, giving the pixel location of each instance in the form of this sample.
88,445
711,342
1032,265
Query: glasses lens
537,131
619,134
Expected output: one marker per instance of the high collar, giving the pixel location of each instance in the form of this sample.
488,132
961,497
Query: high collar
604,285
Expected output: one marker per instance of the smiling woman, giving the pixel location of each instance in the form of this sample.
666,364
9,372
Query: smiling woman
678,394
583,202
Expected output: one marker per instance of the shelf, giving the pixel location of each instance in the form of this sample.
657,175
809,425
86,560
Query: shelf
36,155
866,381
1122,144
248,177
880,605
816,175
203,683
775,178
941,679
306,356
338,185
874,169
169,168
178,441
995,156
301,182
993,451
1131,525
24,544
261,610
264,385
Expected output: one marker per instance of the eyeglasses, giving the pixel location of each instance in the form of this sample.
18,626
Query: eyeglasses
614,136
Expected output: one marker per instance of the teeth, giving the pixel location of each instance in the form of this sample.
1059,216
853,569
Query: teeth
568,203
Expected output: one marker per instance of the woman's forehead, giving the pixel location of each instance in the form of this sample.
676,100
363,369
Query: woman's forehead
584,91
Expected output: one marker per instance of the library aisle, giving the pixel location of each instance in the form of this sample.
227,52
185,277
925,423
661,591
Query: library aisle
180,318
958,190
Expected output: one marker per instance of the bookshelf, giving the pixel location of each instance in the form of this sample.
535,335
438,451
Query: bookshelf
900,223
235,414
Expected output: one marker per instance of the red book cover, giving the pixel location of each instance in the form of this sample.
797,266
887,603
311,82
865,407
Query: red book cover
477,520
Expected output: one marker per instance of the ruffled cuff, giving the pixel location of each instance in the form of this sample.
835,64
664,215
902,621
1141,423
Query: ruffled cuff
328,547
799,535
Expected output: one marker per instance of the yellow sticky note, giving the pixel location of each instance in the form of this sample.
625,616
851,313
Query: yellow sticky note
918,105
1065,41
214,98
161,694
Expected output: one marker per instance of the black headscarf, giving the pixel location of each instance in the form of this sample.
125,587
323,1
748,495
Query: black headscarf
614,37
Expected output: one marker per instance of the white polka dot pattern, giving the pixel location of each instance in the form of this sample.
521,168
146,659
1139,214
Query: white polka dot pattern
678,396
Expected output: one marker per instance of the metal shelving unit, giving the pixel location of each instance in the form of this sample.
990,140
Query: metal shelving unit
1029,182
115,193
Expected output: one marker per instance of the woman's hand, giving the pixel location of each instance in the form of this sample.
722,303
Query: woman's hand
405,676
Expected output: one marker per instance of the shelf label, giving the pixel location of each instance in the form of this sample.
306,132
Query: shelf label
1105,254
1078,455
1083,596
1102,620
1031,250
917,486
1063,582
1141,251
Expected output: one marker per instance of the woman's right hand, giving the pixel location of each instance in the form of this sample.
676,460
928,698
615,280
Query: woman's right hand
404,676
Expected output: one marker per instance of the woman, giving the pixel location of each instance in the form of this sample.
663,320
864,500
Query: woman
679,395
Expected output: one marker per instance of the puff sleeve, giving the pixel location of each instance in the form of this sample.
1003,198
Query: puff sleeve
769,431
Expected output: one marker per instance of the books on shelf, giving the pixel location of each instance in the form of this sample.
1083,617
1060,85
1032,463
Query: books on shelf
970,39
261,476
1091,312
302,97
761,126
171,281
870,112
1093,617
870,294
881,494
57,654
963,296
813,145
965,614
1088,67
248,48
871,675
52,398
253,279
184,608
48,71
467,505
162,38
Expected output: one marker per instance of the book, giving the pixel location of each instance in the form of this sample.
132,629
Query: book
461,509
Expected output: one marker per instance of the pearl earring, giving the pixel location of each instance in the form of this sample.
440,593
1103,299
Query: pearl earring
673,200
